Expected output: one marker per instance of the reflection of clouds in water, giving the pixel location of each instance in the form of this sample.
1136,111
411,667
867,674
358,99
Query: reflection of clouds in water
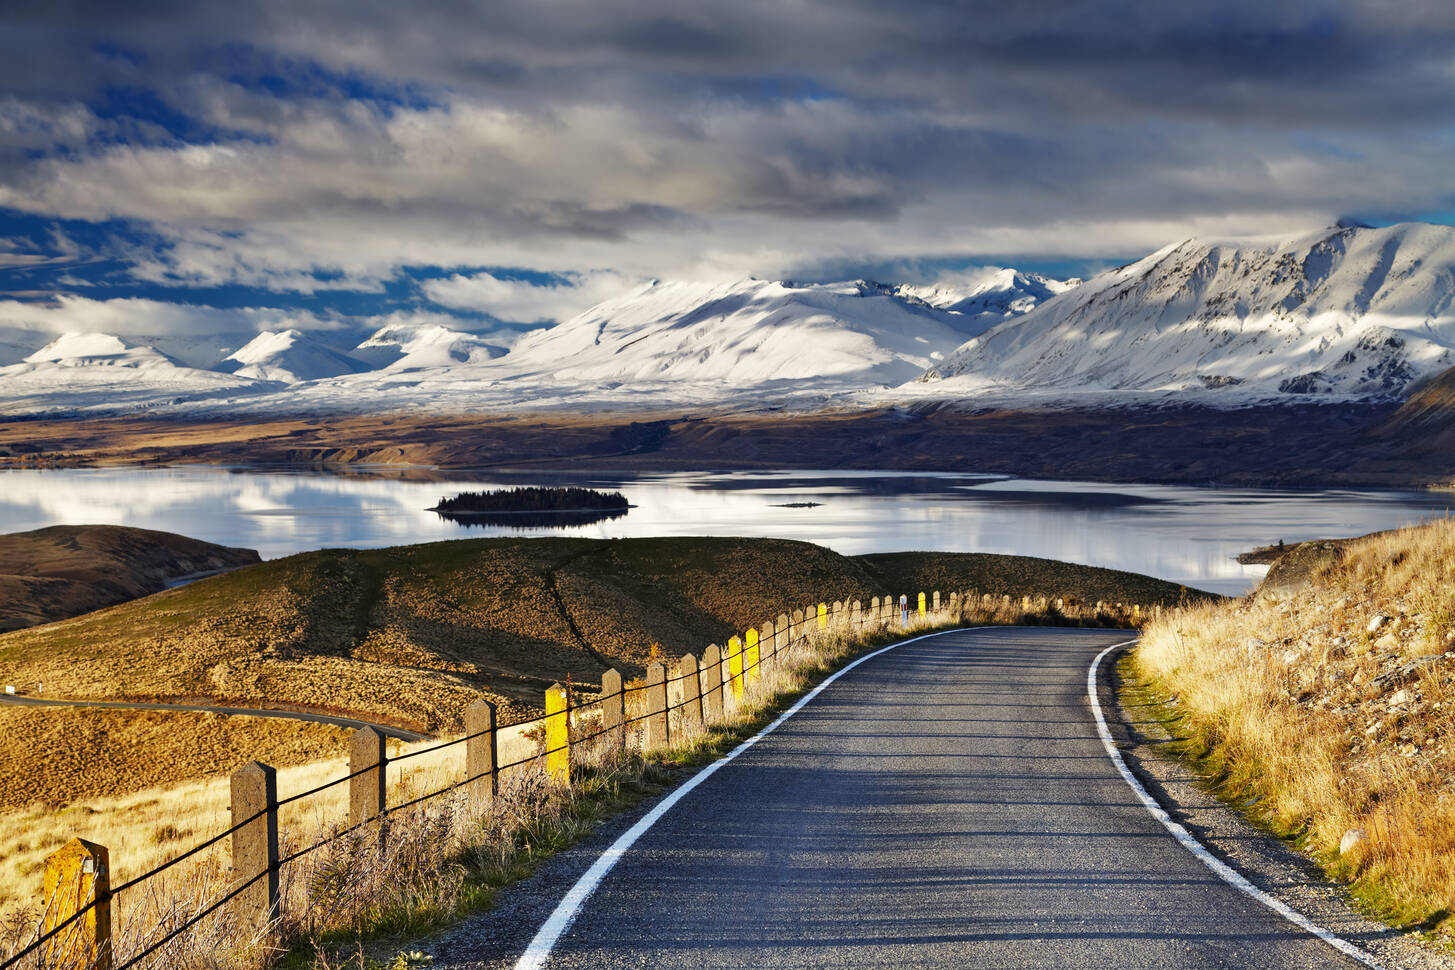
1186,535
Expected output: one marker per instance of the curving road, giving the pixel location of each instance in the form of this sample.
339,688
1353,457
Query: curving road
947,804
21,700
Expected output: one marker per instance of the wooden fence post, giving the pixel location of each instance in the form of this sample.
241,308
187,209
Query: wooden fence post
366,787
558,735
481,755
77,874
687,676
613,709
255,847
656,706
735,669
751,657
712,693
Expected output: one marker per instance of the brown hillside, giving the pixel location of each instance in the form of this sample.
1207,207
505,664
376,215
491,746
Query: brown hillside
67,570
1020,575
409,635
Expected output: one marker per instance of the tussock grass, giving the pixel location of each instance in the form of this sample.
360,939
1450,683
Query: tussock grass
1338,721
447,855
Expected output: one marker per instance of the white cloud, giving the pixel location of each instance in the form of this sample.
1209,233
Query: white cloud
525,302
142,318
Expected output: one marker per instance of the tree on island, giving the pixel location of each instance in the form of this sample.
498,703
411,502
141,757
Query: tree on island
534,499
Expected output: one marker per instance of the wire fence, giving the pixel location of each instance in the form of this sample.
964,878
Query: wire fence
730,674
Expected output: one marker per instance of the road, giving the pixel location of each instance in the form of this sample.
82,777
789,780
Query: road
20,700
947,804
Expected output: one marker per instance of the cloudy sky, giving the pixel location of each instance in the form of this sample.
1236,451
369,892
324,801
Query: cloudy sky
203,163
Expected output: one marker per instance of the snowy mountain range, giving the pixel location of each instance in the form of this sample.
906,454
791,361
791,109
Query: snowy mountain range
1348,312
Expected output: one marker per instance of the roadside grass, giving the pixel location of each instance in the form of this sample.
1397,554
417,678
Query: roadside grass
532,821
348,902
1328,713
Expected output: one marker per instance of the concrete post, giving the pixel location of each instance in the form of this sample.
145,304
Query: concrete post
613,709
935,601
558,736
255,847
856,615
752,657
366,787
823,616
712,686
921,605
735,669
480,752
656,706
874,613
691,686
769,642
796,630
781,636
77,874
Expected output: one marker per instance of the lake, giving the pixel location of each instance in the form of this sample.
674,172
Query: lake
1186,535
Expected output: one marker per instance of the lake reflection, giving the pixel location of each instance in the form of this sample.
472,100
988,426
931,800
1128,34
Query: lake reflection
1187,535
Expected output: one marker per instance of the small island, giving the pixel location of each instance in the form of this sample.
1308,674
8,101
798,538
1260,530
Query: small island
533,506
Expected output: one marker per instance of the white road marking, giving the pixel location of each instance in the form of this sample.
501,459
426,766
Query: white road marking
560,920
1223,870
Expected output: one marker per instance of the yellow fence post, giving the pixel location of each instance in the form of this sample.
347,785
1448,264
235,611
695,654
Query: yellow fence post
922,605
823,616
751,658
75,875
735,668
558,735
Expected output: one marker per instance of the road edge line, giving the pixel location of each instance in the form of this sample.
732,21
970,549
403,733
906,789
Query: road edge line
561,918
1189,842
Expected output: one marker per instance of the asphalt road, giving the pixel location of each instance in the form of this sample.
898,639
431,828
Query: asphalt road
22,700
948,804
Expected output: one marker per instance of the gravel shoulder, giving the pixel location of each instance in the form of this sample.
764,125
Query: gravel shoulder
1269,863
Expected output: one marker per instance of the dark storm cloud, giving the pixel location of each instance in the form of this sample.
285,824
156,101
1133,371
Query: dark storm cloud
268,141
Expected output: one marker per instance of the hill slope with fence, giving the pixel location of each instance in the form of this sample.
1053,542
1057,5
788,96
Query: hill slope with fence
407,636
390,837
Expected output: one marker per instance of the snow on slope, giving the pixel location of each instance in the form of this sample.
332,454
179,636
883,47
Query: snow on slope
100,372
988,297
748,334
290,357
1351,311
411,345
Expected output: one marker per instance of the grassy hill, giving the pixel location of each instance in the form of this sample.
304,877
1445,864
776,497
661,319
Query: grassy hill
1328,698
66,570
409,635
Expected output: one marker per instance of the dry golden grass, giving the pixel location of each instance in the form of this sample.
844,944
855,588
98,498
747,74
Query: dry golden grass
409,635
53,756
1338,727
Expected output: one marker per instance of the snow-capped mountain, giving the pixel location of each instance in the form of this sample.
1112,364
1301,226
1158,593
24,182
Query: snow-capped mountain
97,350
742,336
1350,310
989,297
289,357
407,345
79,371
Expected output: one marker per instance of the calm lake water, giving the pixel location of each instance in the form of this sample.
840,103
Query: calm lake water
1186,535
